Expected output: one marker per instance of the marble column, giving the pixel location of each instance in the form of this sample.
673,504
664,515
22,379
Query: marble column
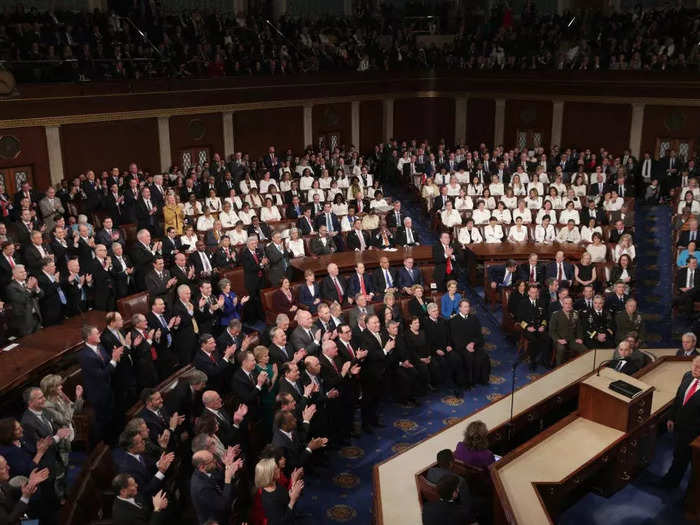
164,143
499,122
355,123
636,126
53,146
387,118
308,125
227,124
557,122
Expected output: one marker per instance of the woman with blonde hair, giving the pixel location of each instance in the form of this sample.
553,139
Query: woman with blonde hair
278,502
61,411
173,214
624,247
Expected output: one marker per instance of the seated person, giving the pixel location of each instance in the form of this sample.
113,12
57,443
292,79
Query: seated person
503,275
447,509
493,232
323,244
624,364
518,232
470,234
569,233
445,464
545,232
449,304
473,449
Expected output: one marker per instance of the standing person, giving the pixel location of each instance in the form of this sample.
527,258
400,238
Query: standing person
684,422
23,295
446,260
254,262
373,371
532,316
467,339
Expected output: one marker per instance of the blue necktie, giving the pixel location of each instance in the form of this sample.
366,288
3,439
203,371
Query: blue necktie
165,327
388,278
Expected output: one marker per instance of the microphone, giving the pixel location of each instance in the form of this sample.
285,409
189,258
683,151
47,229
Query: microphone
608,361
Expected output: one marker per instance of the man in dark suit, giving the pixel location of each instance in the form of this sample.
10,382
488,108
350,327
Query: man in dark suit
684,421
385,278
211,502
374,368
23,295
186,397
409,276
261,229
341,376
98,367
294,209
358,239
532,272
147,213
158,419
158,281
446,260
218,367
130,459
52,302
328,219
618,231
687,287
34,254
440,201
503,275
253,261
171,244
114,205
293,443
532,317
333,286
304,336
280,351
624,363
202,263
561,270
305,223
323,243
446,510
108,235
360,282
247,384
122,271
360,203
406,235
395,217
615,302
8,260
128,507
104,298
691,234
592,212
142,255
15,503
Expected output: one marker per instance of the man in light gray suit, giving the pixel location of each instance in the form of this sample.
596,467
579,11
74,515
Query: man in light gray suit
50,206
361,307
24,294
305,337
278,256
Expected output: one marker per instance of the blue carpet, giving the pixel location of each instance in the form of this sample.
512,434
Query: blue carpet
654,273
347,496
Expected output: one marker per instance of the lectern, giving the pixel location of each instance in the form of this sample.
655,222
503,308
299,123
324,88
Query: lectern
598,402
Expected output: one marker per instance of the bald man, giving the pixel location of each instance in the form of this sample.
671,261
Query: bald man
209,501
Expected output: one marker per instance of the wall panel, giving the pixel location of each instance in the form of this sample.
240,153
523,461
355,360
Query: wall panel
591,125
255,130
527,114
670,122
196,130
480,124
332,118
370,125
31,151
425,118
103,145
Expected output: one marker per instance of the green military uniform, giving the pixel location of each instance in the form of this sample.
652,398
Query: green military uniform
568,328
624,324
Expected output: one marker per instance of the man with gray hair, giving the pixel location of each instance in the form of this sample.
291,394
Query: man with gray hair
624,363
688,345
142,255
23,295
254,262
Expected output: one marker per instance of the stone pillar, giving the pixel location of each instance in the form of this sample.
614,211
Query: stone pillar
308,125
499,122
164,143
53,146
387,119
636,126
557,122
355,123
460,120
227,124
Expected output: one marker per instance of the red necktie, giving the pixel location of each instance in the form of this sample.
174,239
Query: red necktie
352,352
690,392
559,272
362,285
532,274
338,290
12,263
211,356
448,267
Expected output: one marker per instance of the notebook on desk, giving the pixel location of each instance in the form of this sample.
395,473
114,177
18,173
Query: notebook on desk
624,388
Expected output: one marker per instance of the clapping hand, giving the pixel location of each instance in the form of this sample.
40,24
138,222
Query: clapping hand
308,412
160,501
164,439
240,413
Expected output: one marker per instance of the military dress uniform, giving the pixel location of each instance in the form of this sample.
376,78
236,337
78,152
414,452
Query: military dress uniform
624,324
534,314
568,327
595,323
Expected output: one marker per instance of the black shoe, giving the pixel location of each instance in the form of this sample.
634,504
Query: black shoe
367,429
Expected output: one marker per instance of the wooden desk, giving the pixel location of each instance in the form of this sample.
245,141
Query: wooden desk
396,497
539,479
46,347
346,261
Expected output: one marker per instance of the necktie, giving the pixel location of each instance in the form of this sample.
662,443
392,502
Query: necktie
690,391
352,352
409,236
620,365
532,274
560,273
284,351
362,240
148,205
329,222
387,277
506,279
692,238
534,304
250,378
338,289
691,279
398,218
362,285
12,262
448,266
206,266
211,358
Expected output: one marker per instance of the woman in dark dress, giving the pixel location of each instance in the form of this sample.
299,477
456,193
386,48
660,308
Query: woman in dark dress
585,274
309,292
622,271
421,358
278,502
283,299
417,307
390,310
449,363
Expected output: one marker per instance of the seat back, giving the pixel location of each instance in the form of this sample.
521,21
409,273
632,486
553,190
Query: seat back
427,491
133,304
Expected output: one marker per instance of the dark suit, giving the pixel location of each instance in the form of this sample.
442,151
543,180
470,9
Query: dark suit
97,375
409,278
354,287
103,285
294,450
684,237
523,273
210,500
246,391
321,220
402,237
264,228
686,419
353,240
477,366
392,221
626,366
551,271
50,303
306,225
122,281
380,281
218,371
685,300
146,219
11,508
372,376
318,248
157,286
143,262
278,266
33,259
329,291
440,273
125,513
443,512
142,471
124,379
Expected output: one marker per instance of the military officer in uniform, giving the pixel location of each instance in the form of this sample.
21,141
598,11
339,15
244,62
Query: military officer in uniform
598,325
531,314
629,320
566,331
